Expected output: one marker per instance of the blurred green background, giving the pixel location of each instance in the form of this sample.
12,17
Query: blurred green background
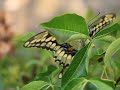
19,65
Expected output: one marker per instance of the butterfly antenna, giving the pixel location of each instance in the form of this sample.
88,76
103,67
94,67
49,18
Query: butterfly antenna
93,18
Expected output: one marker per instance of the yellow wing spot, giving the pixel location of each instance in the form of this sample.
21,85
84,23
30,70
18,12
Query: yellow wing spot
97,26
100,24
48,45
46,33
43,44
37,44
104,22
105,18
113,18
97,29
57,47
33,41
38,40
65,55
109,16
53,45
59,50
43,39
48,39
100,27
69,57
60,76
93,33
27,43
33,45
58,62
53,39
62,53
110,19
94,28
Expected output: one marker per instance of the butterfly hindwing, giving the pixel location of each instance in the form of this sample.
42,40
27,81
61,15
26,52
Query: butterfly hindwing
63,53
36,40
41,40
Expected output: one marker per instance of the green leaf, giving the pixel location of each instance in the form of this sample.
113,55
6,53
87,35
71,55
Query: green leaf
56,87
71,26
112,59
103,84
117,87
78,66
75,83
35,85
91,84
115,27
101,44
46,75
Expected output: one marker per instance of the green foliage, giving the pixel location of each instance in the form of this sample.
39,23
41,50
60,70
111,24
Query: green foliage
89,84
35,85
46,76
112,59
103,75
78,67
71,26
102,43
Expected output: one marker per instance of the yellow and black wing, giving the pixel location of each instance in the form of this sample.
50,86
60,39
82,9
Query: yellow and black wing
63,53
100,23
40,40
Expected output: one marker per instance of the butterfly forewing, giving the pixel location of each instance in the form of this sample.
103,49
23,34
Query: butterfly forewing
46,41
100,23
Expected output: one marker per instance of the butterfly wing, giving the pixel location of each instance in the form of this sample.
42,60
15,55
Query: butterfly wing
100,23
63,53
39,40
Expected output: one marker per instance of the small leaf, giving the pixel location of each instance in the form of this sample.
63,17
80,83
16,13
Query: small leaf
78,66
103,84
101,44
115,27
75,83
92,84
35,85
117,87
112,58
68,25
46,75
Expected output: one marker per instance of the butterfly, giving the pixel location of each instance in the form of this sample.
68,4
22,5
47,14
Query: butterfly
64,53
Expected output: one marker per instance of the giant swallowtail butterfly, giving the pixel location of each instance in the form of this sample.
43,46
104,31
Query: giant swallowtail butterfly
63,53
